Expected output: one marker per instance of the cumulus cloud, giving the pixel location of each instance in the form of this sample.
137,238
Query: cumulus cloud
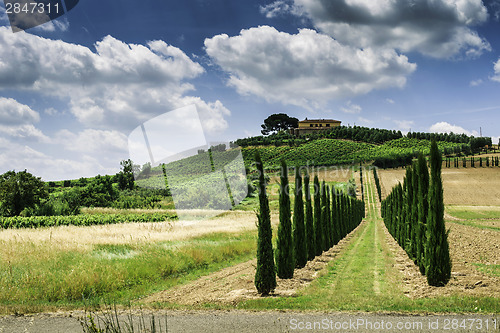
494,8
305,69
14,113
438,28
93,141
4,19
117,86
351,108
496,68
444,127
280,7
16,156
16,121
390,101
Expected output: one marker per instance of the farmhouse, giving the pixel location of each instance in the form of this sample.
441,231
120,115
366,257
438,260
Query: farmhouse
309,126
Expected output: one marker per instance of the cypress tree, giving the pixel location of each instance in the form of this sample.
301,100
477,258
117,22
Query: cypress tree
299,231
335,228
408,212
423,208
324,215
285,261
318,228
265,275
414,212
438,268
331,239
311,236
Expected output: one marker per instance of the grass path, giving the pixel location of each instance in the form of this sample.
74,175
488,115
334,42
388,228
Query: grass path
364,276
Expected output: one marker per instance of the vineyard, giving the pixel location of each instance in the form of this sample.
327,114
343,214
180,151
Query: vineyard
82,220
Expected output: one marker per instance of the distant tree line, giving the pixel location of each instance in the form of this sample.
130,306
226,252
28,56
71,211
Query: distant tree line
354,133
362,134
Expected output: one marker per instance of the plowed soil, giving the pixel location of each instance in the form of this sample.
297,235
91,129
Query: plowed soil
236,283
470,186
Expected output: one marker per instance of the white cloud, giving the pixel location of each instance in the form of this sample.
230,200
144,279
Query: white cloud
494,8
351,108
15,156
4,19
14,113
475,83
390,101
25,131
496,68
404,125
306,69
117,86
280,7
444,127
96,142
438,28
16,121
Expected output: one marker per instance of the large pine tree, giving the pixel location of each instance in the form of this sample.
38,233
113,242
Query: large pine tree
310,234
265,276
299,231
285,261
438,268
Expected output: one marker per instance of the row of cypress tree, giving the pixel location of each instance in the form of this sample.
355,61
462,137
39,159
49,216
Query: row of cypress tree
319,222
414,215
494,162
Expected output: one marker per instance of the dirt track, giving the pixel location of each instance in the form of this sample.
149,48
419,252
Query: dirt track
236,283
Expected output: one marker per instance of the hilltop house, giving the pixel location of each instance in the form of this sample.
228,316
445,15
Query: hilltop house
309,126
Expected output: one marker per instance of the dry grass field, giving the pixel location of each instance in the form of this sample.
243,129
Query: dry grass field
83,238
470,186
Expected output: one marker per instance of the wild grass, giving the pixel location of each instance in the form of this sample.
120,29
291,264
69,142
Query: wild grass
40,273
474,212
489,269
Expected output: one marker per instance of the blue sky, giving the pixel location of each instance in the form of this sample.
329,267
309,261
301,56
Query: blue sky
72,90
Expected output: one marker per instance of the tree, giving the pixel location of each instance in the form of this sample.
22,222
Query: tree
265,275
310,235
318,225
145,171
19,191
278,122
325,218
423,210
125,177
285,261
438,268
299,232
